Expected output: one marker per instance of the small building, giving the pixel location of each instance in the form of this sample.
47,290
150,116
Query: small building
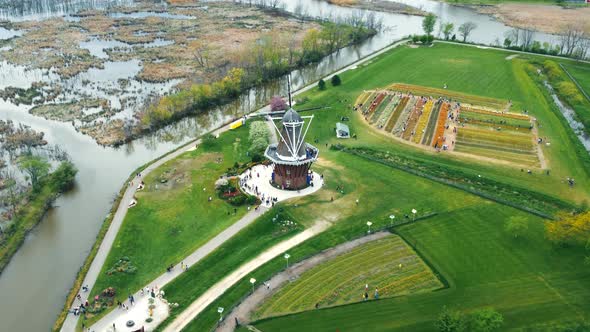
342,130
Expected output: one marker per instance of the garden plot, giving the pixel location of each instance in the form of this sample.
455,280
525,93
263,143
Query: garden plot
388,266
453,122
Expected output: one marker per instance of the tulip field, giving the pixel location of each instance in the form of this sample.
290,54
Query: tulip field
450,121
388,265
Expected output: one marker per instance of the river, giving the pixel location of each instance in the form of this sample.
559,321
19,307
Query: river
35,283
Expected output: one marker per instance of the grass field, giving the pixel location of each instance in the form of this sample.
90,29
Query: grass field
526,280
174,218
388,265
239,249
498,80
582,75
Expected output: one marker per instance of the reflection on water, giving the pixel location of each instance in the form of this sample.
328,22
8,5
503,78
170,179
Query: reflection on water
22,77
22,10
7,34
152,14
570,116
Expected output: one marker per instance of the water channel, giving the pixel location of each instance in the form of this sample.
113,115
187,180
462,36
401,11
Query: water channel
34,284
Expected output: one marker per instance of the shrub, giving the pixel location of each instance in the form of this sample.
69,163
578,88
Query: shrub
415,39
322,85
569,91
277,104
62,179
208,140
336,80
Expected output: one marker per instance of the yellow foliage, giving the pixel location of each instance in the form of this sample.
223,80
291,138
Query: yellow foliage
572,230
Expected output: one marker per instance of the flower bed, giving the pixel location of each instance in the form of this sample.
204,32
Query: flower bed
413,119
379,109
424,118
440,126
375,104
396,113
477,128
405,114
382,120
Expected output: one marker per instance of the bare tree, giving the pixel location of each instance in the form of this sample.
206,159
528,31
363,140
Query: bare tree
12,193
202,55
570,38
527,38
465,29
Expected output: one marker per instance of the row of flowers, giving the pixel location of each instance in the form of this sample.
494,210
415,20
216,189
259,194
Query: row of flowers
440,126
421,127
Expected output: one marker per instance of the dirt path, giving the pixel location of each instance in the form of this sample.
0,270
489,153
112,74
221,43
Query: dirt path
219,288
245,308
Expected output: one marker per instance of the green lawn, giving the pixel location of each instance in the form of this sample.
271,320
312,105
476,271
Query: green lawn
173,219
581,74
387,265
457,66
247,244
526,280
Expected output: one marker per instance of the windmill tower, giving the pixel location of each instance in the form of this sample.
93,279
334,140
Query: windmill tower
292,156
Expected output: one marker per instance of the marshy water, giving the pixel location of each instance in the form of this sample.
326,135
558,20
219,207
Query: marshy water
34,284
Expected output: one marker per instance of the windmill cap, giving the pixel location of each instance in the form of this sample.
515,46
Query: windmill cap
292,116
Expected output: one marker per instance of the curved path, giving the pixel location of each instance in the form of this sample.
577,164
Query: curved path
103,251
219,288
94,270
242,312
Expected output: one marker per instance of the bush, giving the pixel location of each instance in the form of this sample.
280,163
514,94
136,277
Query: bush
569,91
277,104
424,39
322,85
336,80
415,39
259,139
62,179
209,140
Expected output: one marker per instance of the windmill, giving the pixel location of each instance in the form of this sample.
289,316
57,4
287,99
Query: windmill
291,156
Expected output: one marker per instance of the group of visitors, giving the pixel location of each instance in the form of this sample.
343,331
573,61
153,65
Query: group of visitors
365,296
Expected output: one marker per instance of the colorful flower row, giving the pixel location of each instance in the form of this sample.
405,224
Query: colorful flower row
496,113
440,126
413,119
421,127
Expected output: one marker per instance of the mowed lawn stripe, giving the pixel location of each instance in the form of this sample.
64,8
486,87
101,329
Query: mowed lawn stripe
387,264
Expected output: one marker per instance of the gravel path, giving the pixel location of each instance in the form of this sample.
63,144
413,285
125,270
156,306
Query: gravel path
245,308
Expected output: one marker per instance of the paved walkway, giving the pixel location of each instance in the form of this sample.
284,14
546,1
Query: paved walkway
219,288
245,308
103,251
256,181
119,317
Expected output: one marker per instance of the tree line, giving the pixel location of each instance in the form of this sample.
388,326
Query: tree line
573,41
273,55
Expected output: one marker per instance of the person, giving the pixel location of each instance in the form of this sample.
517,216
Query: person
114,328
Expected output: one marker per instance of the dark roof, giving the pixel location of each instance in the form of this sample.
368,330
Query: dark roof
291,116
